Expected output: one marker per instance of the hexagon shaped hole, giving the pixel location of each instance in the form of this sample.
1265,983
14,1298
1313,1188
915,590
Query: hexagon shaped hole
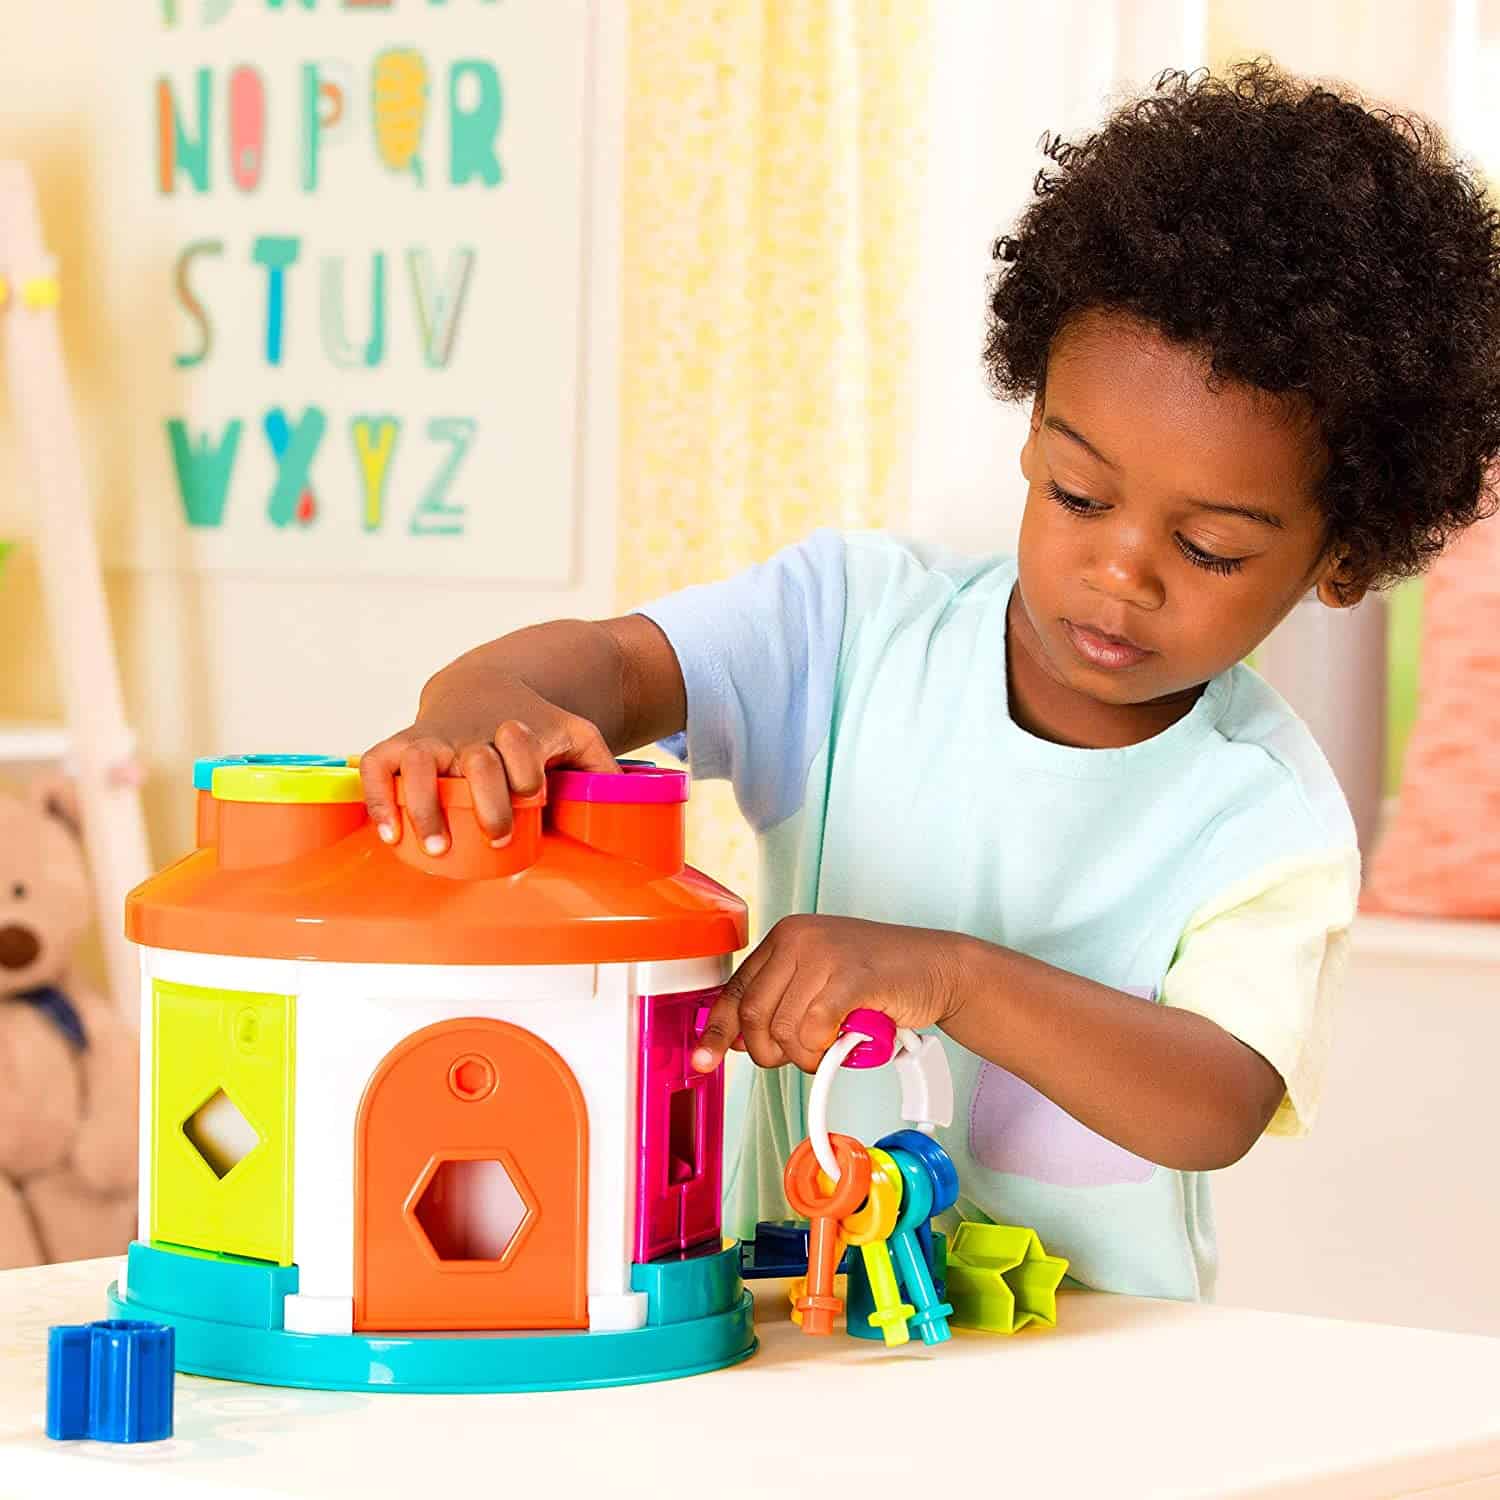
474,1210
219,1132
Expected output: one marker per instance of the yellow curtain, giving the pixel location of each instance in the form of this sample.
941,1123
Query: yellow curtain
774,160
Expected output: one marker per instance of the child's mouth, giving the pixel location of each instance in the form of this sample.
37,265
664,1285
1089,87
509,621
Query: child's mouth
1108,652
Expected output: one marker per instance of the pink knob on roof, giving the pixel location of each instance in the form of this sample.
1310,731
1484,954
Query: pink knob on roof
638,782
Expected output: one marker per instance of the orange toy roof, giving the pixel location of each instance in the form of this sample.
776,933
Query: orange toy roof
596,878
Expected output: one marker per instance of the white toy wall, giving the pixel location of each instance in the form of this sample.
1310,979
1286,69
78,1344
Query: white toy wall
350,1016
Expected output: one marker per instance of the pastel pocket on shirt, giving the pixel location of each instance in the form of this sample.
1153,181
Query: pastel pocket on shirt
1014,1129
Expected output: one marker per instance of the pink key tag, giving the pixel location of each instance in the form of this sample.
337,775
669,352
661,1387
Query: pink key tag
880,1030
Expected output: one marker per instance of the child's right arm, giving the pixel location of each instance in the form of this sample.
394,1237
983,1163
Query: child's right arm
572,692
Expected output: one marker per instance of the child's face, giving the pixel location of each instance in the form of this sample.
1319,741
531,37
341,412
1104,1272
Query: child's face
1168,527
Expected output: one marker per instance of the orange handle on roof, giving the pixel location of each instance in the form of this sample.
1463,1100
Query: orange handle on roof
470,856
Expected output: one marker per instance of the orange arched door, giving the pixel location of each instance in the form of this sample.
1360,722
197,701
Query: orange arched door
471,1185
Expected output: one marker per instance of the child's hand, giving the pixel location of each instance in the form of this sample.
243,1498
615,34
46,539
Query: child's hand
786,1001
455,734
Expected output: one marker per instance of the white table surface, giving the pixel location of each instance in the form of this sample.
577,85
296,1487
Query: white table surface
1126,1398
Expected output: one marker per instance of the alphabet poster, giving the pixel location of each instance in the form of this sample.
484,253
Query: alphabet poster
364,223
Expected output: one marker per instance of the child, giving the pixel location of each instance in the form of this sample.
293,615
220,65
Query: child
1034,801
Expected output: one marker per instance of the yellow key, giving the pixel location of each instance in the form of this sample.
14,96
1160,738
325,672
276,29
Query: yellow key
870,1227
796,1292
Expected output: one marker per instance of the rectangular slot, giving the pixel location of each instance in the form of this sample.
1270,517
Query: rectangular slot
683,1147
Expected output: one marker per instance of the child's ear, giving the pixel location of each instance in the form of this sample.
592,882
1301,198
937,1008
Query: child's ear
1339,586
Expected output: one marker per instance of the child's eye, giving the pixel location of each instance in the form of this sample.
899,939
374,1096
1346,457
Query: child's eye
1208,560
1079,505
1074,503
18,891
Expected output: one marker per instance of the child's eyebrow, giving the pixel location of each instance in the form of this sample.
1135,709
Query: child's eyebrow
1058,425
1217,507
1248,511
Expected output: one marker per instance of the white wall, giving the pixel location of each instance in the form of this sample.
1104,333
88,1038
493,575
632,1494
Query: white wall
1388,1212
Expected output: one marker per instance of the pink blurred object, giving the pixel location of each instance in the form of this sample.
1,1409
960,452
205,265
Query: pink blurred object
130,774
1441,855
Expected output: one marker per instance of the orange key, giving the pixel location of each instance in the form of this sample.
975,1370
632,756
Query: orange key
824,1213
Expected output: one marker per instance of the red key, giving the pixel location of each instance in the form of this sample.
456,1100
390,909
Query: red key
824,1213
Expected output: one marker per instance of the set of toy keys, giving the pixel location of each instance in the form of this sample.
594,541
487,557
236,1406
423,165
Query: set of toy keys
881,1199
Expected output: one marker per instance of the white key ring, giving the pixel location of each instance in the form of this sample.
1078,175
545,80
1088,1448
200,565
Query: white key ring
926,1088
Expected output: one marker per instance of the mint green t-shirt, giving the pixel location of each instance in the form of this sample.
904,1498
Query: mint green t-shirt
854,691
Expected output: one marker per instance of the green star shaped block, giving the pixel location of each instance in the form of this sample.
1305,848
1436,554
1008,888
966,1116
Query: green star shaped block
1000,1278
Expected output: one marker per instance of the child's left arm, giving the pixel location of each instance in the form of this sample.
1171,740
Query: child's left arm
1164,1083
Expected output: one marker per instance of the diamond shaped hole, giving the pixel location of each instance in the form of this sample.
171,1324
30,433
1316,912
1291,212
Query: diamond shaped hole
220,1134
471,1210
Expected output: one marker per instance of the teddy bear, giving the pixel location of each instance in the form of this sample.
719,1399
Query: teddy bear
68,1058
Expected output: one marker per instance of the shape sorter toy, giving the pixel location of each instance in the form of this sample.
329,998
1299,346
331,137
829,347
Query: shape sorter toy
431,1124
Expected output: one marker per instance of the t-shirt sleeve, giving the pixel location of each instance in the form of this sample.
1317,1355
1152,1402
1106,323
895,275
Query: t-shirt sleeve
1265,960
759,655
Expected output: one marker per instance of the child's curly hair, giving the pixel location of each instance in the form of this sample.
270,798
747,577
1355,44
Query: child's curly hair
1309,245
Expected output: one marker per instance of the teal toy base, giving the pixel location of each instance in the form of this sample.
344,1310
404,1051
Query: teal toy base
454,1363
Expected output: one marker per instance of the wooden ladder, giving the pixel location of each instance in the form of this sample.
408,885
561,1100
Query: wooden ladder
97,742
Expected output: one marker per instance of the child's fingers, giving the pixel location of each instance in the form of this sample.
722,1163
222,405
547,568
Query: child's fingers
824,1016
421,765
766,1020
481,768
721,1031
377,770
788,1023
574,741
521,754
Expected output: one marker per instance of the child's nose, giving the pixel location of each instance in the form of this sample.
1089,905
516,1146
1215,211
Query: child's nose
1125,573
1124,569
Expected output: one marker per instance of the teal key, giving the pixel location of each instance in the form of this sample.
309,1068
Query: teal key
944,1177
932,1313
